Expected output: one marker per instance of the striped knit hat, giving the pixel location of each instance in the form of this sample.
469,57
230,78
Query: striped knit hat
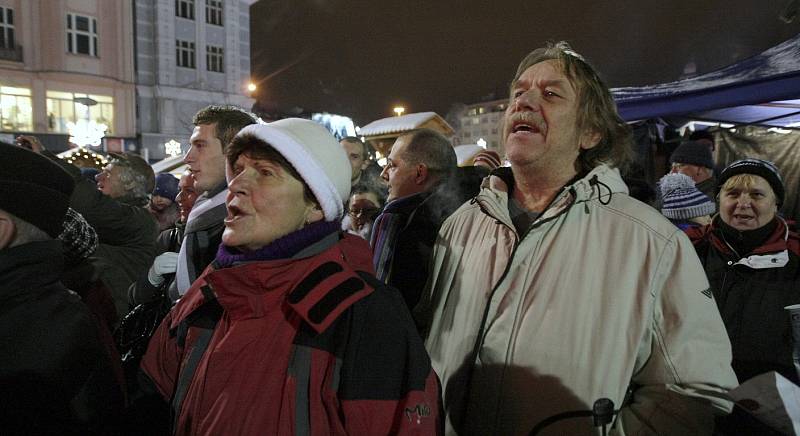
681,199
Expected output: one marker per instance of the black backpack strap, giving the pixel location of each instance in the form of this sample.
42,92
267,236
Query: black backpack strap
204,320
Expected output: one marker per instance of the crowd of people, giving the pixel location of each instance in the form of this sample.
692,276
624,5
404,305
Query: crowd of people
288,284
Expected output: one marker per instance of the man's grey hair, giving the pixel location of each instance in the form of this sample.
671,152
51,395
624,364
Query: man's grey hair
431,148
135,183
25,232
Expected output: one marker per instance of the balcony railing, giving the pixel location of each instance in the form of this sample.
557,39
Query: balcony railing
11,53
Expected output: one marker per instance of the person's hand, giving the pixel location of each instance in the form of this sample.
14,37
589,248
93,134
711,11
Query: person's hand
31,143
165,263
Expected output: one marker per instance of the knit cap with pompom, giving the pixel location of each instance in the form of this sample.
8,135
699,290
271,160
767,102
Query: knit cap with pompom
681,199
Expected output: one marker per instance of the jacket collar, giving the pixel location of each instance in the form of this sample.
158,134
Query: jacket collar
774,253
132,200
601,183
407,204
318,288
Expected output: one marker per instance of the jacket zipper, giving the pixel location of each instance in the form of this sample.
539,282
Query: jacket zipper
481,333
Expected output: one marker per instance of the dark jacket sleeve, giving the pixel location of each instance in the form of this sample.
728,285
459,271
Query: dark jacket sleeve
142,291
113,220
388,384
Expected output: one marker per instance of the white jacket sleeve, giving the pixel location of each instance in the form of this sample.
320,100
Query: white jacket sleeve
683,368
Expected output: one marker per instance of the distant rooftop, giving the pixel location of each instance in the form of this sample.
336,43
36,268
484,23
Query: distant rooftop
404,123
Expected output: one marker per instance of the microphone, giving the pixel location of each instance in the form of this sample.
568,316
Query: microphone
602,414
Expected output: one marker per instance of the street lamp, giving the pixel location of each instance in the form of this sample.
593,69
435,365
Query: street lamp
399,110
252,87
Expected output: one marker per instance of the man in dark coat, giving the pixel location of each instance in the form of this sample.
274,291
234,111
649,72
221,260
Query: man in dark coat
115,207
422,193
55,377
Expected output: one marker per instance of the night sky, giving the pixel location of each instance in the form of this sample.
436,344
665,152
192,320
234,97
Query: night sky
361,58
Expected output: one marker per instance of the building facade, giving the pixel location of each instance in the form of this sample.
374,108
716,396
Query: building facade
66,66
482,122
189,54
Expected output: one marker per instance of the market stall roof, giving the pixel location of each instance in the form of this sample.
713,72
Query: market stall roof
762,90
172,164
406,123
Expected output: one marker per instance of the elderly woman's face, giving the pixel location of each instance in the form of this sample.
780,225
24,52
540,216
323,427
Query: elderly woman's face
748,208
264,203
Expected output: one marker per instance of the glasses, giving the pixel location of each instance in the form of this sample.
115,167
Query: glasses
367,212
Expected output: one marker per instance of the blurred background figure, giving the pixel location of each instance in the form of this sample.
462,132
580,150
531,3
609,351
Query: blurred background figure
694,159
56,377
364,205
752,259
187,194
683,203
161,275
489,159
90,173
162,202
116,208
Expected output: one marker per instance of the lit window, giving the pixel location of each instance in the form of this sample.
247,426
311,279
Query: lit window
68,107
214,59
184,53
7,28
16,111
184,9
214,12
81,34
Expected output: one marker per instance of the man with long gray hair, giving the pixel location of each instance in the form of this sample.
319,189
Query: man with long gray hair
555,288
115,207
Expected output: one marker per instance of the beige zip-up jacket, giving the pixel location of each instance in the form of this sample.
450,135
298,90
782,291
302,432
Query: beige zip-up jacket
600,294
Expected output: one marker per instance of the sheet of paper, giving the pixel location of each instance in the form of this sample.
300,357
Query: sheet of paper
772,399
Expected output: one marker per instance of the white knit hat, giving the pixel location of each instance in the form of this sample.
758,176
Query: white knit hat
315,154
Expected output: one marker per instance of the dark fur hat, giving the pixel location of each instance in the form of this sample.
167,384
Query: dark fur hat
33,188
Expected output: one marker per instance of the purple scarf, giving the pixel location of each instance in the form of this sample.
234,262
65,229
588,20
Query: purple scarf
282,248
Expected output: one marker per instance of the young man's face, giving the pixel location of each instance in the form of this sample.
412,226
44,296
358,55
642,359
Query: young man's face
541,122
206,158
355,152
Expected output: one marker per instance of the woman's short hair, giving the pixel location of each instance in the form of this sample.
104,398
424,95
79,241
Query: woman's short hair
743,182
